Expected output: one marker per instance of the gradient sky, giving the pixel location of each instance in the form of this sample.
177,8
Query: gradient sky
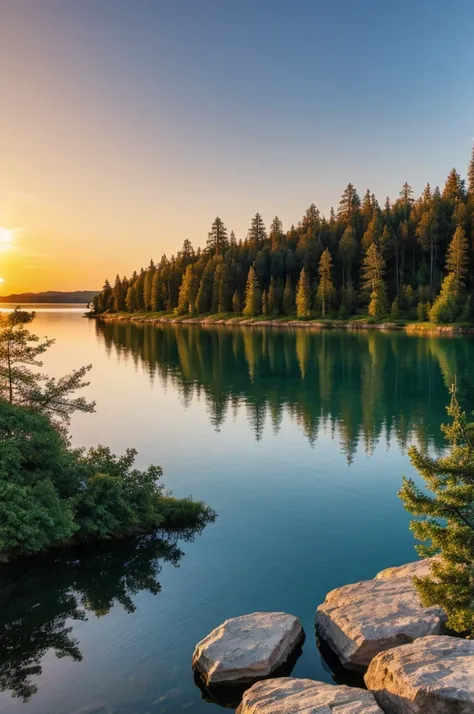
127,125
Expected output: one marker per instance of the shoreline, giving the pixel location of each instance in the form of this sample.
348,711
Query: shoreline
279,323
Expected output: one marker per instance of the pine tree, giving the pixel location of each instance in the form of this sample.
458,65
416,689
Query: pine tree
272,298
118,304
445,521
225,289
252,295
204,296
147,285
445,307
366,210
428,237
373,283
232,239
373,268
257,233
139,284
457,259
187,292
216,288
395,309
288,300
349,204
156,292
276,234
217,238
406,198
106,302
23,383
265,303
303,296
325,287
348,252
470,175
311,219
372,234
236,307
454,187
378,300
131,300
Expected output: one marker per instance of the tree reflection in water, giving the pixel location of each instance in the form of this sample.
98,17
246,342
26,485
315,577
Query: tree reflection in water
362,386
38,603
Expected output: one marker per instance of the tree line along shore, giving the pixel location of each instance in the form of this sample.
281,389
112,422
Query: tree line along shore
404,261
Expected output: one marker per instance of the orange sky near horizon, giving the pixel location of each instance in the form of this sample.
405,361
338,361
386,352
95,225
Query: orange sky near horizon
126,128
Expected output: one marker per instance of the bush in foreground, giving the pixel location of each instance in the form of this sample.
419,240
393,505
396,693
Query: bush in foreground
53,495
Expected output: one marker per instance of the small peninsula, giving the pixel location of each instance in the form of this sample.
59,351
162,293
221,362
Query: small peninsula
406,261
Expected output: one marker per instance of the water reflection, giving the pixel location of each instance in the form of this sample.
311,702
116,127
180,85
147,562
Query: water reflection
362,386
38,605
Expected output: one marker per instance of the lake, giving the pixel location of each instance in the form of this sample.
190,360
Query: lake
297,439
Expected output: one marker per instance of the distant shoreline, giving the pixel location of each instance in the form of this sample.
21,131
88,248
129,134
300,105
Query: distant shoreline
75,297
287,323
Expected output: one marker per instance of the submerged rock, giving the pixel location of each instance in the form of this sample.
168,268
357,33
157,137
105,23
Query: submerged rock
305,696
358,621
245,649
433,675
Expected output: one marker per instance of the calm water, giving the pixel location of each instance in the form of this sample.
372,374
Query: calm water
297,440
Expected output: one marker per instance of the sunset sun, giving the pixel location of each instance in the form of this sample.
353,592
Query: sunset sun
6,237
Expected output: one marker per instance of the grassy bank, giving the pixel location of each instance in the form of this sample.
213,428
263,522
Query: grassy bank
356,322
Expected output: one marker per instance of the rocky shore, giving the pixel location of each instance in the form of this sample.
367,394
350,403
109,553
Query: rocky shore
377,626
210,321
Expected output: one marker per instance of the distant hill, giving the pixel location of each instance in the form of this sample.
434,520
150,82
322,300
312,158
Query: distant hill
53,296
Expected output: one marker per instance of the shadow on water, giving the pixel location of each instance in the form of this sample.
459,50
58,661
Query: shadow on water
38,603
230,697
332,664
363,386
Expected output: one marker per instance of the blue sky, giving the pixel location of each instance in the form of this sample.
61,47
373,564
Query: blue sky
130,125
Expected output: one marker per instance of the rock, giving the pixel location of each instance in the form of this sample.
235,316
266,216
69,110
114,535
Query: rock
298,696
247,648
433,675
419,568
358,621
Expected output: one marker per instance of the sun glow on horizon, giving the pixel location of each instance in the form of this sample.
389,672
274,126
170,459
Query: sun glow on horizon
6,235
6,238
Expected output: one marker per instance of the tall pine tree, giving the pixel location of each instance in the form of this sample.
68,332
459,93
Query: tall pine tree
325,287
253,296
303,296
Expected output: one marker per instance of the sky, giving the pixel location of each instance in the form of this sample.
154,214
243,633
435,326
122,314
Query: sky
127,126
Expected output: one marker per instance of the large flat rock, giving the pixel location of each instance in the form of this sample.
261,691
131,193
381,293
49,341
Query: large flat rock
247,648
358,621
419,569
433,675
305,696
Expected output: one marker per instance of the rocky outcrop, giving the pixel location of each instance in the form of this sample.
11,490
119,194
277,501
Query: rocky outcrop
433,675
358,621
245,649
419,569
305,696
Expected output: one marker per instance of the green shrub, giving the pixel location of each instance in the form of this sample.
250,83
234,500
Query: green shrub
51,494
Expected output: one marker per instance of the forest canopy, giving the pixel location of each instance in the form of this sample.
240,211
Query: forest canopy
408,258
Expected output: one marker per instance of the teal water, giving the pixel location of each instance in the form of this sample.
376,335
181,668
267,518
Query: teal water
298,440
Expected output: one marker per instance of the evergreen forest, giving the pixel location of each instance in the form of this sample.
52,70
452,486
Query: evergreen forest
406,259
